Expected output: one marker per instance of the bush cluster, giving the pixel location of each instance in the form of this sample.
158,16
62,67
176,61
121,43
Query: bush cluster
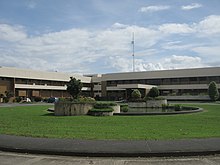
177,107
101,110
124,108
37,99
102,105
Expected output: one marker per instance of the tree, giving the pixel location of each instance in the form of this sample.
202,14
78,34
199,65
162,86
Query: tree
213,91
154,92
136,94
74,87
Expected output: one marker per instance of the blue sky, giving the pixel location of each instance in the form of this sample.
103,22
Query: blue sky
94,36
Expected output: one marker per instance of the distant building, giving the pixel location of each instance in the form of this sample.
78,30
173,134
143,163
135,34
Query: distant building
174,84
29,83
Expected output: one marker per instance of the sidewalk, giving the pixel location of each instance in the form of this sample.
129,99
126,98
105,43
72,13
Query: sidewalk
112,148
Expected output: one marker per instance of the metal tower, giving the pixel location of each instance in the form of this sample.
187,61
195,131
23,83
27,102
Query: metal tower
132,42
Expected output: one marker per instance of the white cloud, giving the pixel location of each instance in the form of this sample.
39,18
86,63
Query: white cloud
208,51
176,28
179,62
210,25
119,26
12,33
121,64
191,6
149,9
79,49
75,49
141,65
178,45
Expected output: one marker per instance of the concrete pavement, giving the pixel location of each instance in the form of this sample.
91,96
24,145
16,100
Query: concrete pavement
7,158
112,148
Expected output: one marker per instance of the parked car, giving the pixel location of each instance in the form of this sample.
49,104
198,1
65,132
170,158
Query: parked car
52,100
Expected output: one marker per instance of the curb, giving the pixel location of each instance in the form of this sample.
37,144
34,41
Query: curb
109,154
110,148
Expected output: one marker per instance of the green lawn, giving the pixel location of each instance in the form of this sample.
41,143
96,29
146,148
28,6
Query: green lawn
35,121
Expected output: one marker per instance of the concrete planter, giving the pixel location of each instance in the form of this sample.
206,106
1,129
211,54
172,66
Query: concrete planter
156,103
137,105
116,108
148,103
76,109
71,109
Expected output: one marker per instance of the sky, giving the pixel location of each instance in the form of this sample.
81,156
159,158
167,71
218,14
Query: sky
94,36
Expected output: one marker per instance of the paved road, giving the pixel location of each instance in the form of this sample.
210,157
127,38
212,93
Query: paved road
7,158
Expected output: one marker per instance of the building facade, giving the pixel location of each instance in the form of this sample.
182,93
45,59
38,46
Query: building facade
181,83
173,84
29,83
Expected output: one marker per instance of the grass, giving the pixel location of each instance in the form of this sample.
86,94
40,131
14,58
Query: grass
35,121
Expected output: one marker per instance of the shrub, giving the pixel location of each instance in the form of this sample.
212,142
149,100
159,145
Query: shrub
159,98
5,99
78,100
136,95
86,100
101,110
37,99
124,108
177,107
45,100
18,99
103,105
154,92
213,91
148,98
165,106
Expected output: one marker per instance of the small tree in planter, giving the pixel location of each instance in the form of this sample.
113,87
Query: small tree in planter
136,95
154,92
74,87
213,91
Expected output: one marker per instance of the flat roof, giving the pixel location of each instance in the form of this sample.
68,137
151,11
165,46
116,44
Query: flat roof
58,76
177,73
41,75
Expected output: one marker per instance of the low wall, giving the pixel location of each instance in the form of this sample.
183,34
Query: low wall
76,109
205,98
71,109
149,103
116,108
137,104
156,103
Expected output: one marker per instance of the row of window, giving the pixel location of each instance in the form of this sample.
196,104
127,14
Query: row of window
167,81
43,82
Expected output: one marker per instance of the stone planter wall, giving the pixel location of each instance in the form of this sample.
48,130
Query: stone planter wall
149,103
116,108
137,104
71,109
76,109
156,103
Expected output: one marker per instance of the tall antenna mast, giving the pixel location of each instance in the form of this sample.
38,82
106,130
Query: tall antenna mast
132,42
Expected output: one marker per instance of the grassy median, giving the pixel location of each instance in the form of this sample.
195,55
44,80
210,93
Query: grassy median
35,121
